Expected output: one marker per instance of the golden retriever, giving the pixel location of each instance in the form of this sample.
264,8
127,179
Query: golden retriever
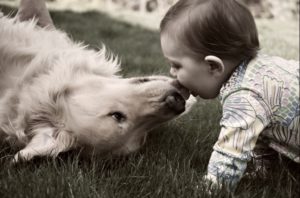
57,95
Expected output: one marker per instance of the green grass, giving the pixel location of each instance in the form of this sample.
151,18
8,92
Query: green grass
174,159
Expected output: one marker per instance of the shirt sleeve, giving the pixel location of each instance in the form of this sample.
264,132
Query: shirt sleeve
244,118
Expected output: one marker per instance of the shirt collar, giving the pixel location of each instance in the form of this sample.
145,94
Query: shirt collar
235,78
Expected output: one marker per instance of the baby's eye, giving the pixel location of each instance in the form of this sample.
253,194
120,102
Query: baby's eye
175,66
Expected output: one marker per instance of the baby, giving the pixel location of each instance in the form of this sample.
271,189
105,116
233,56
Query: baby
212,47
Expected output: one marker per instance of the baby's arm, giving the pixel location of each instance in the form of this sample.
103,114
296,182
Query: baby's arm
244,118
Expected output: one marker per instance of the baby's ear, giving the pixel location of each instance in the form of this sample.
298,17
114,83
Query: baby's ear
216,65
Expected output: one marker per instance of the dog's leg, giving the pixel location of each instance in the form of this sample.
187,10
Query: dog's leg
45,143
37,9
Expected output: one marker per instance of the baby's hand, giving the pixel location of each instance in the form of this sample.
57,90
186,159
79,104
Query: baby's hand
209,186
213,186
211,183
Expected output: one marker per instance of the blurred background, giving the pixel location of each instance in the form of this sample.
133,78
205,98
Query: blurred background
149,12
175,156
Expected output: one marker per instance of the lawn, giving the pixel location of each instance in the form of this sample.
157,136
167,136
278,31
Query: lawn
174,159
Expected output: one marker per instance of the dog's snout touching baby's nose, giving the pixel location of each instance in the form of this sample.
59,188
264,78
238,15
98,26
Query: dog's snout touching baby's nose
183,91
175,101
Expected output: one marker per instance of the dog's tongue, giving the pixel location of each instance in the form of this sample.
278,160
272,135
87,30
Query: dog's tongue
183,91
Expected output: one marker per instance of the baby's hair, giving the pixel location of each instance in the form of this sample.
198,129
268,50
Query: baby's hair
224,28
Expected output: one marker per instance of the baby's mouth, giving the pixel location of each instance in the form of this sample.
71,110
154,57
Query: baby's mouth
184,92
193,93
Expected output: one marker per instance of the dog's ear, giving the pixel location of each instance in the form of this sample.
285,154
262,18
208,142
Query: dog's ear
45,127
47,136
46,141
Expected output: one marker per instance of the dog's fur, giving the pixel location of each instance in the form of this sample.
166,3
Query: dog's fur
57,95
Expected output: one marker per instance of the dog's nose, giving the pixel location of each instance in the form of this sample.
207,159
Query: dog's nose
175,101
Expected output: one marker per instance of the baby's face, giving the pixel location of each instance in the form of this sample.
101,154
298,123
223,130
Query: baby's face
193,73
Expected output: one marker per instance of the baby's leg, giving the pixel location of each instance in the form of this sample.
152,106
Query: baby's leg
37,9
263,158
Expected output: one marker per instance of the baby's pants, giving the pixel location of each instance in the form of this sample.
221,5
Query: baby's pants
272,143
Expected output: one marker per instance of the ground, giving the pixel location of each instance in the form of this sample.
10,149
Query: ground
174,159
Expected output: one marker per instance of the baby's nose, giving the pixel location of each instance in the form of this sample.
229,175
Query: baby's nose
173,72
183,91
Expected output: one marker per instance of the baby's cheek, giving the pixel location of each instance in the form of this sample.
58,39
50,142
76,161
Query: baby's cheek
185,80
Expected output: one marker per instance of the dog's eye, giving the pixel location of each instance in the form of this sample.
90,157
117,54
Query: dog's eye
140,80
143,80
118,116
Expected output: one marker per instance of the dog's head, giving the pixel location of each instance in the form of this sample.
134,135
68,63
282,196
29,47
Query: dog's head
114,115
70,97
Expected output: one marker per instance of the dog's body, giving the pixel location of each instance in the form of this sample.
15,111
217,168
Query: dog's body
56,95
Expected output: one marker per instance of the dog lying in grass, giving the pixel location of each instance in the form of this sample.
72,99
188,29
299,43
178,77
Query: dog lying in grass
57,95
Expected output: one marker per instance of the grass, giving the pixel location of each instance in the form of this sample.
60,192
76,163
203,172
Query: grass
174,159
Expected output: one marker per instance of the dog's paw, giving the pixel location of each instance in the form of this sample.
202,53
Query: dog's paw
21,156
